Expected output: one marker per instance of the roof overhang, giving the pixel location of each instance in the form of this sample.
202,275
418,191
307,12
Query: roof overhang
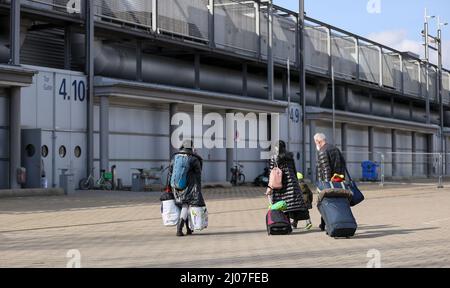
169,94
326,115
15,76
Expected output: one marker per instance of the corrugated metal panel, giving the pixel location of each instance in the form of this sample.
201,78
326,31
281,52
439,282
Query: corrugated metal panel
316,49
369,63
184,17
284,39
235,26
446,86
432,88
44,48
392,75
344,54
136,12
411,77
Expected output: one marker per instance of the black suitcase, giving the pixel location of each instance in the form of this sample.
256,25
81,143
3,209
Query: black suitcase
278,223
338,217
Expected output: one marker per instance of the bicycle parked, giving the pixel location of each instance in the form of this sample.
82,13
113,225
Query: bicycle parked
103,183
237,175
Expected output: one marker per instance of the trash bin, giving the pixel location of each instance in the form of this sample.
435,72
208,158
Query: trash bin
66,182
137,183
370,171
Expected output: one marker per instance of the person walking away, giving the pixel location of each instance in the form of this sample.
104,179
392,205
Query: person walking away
330,162
290,191
185,176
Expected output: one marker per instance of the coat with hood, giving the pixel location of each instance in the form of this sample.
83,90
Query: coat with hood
192,195
291,192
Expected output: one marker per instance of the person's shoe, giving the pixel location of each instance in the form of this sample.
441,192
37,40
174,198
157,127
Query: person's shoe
322,227
180,228
294,224
308,226
189,231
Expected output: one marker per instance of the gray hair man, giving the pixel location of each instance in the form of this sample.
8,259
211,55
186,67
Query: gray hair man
330,162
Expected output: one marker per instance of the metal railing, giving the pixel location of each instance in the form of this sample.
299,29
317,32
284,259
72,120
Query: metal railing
69,7
417,168
241,27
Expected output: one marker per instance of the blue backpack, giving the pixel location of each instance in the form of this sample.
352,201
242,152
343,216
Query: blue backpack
181,166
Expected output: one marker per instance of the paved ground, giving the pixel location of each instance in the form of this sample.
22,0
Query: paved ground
408,225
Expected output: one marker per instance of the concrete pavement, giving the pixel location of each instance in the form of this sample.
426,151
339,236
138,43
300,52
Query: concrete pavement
406,226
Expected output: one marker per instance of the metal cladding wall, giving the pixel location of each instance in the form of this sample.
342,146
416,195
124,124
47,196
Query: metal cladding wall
139,138
56,104
4,140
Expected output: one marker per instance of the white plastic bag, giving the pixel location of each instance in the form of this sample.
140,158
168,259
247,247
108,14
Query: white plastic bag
198,218
170,213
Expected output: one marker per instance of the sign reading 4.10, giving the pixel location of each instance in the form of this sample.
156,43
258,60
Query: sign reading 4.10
78,88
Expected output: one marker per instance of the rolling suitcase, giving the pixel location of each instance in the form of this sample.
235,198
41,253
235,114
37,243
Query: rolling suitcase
338,217
277,222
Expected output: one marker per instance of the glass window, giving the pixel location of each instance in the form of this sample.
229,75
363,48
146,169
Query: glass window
77,152
62,151
30,150
44,151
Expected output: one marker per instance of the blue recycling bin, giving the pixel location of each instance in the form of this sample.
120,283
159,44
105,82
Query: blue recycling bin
369,171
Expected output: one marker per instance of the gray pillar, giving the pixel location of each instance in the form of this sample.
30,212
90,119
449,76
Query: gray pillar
15,32
371,144
139,60
89,67
173,108
197,71
312,151
67,47
245,79
14,137
270,61
230,157
344,137
429,159
414,150
104,133
394,150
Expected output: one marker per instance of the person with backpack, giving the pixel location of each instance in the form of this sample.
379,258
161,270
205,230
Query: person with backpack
185,176
284,185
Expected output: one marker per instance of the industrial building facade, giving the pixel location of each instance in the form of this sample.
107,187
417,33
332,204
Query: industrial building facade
92,83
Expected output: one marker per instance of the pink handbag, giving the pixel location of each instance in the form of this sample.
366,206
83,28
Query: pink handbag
276,178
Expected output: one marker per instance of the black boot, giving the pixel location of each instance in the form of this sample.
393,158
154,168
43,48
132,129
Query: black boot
322,225
180,228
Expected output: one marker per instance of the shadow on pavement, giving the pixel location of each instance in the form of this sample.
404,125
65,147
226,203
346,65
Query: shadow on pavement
385,233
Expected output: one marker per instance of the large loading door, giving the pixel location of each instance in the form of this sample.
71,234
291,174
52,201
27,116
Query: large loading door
4,140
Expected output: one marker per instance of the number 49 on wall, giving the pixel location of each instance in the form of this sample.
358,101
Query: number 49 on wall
79,90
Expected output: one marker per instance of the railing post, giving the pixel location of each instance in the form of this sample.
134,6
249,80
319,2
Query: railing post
441,164
381,66
155,16
358,66
211,27
402,74
258,28
383,170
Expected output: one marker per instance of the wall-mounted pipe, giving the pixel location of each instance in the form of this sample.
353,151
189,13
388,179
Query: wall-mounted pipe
4,37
